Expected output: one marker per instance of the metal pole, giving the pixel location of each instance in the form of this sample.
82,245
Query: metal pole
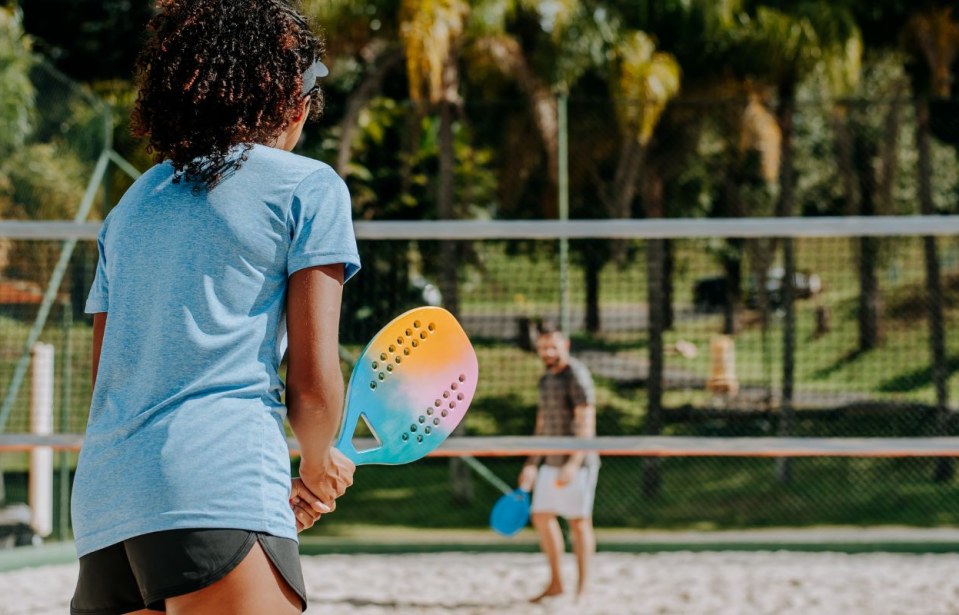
563,151
63,523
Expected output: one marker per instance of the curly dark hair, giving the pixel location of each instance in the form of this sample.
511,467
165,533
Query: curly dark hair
215,74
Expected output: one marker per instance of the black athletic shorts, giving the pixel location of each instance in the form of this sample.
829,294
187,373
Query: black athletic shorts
145,570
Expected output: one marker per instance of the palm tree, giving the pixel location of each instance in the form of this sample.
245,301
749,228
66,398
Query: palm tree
783,49
642,83
366,32
931,37
866,141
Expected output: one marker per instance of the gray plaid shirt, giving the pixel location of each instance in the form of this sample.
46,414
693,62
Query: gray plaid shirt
559,394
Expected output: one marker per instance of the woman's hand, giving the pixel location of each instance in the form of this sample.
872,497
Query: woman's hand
307,508
329,478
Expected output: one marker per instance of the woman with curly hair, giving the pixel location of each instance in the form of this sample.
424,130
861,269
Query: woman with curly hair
230,252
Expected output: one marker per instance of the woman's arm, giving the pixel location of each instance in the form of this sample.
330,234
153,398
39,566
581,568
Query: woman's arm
99,326
314,383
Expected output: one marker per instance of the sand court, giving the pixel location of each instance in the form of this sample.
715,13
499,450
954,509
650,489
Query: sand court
736,583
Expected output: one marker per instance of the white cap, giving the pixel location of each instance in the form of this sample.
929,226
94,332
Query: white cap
314,72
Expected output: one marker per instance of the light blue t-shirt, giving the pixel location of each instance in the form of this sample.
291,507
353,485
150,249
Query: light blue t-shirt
186,421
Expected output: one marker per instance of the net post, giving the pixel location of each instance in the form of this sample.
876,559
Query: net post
41,424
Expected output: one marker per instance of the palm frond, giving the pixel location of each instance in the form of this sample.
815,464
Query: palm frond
645,82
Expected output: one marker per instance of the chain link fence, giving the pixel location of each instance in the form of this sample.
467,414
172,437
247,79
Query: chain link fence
717,382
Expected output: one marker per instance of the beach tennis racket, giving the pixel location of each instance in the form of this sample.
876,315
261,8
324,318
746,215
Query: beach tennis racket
510,514
412,386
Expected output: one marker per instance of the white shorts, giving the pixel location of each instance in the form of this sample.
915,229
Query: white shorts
572,501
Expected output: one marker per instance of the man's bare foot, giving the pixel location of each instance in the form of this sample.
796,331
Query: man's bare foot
549,592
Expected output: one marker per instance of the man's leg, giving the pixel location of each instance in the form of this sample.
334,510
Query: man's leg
584,546
551,543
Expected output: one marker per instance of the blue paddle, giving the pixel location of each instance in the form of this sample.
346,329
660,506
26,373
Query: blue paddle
510,514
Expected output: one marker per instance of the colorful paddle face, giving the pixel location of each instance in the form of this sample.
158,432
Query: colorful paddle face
510,514
412,386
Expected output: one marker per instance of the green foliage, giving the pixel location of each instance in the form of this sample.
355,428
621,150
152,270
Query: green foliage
17,94
46,183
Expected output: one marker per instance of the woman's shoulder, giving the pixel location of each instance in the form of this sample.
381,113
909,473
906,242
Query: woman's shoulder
288,165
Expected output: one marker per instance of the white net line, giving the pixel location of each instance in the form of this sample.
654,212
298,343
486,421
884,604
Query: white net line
634,446
847,226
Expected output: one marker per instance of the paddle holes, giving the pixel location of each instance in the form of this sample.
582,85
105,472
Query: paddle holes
413,427
419,438
446,394
429,411
462,377
376,365
436,421
406,351
431,327
381,376
427,430
389,368
373,385
416,324
454,386
405,437
422,419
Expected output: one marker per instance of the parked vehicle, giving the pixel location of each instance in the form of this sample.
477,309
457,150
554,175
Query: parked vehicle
709,293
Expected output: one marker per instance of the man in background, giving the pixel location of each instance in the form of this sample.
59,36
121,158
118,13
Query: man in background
563,485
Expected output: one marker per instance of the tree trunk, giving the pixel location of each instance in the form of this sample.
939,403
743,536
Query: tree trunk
944,470
732,207
870,302
591,271
509,56
732,270
785,208
462,481
653,195
625,182
371,85
859,187
870,299
669,262
449,285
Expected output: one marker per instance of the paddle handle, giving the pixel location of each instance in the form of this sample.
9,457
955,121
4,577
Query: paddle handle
485,472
